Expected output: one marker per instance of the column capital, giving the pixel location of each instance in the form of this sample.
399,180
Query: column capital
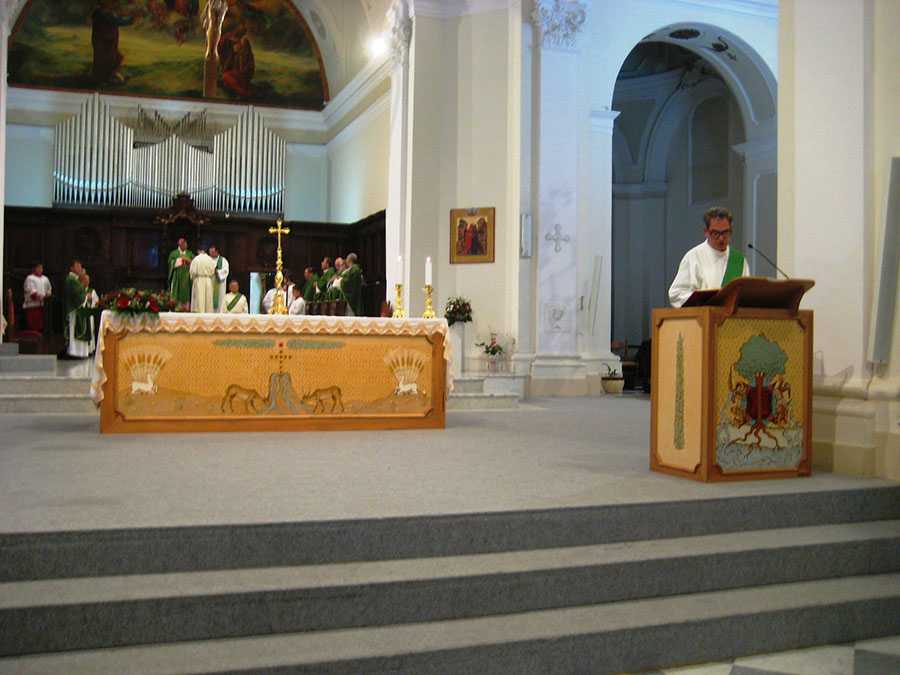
558,21
759,154
602,121
399,21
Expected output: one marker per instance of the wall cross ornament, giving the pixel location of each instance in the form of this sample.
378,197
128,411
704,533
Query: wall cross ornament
557,238
558,21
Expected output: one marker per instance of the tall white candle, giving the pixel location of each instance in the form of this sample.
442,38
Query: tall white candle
400,265
428,271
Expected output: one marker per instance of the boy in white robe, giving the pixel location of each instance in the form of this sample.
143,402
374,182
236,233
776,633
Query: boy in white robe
37,291
298,304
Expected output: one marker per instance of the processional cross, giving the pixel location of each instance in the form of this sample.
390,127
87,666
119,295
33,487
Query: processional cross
279,306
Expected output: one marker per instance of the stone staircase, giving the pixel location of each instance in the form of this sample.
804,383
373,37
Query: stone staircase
597,589
486,391
34,384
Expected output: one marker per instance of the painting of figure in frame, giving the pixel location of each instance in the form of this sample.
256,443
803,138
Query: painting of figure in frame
472,235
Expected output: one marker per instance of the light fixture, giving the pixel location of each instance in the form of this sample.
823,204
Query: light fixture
377,46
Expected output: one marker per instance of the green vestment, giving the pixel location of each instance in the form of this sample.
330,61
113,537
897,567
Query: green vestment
180,277
309,288
73,298
351,285
217,283
735,266
322,281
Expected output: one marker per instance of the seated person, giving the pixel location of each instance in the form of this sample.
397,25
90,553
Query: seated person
235,302
298,304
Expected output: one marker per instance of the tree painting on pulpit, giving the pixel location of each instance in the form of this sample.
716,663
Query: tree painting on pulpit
472,235
262,51
758,425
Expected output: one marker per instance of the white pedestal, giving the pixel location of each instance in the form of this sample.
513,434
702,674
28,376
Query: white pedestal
458,348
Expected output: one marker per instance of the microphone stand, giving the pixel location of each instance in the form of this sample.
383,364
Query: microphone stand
768,260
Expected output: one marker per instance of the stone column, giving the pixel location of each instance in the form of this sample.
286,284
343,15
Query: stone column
557,368
397,241
595,256
759,218
4,47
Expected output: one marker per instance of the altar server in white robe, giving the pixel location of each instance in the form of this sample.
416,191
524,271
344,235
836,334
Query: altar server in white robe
269,300
298,304
37,291
220,280
203,269
235,301
709,265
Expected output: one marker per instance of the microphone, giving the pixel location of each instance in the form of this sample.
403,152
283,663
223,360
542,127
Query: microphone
768,260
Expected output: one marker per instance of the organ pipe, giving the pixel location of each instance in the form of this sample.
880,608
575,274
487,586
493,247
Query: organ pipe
96,162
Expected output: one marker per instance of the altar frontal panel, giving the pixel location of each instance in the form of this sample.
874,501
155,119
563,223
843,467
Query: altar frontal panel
203,381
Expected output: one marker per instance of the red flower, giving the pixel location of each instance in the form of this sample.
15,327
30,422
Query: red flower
122,302
153,306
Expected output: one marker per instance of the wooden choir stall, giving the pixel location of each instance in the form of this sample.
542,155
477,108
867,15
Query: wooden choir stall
732,383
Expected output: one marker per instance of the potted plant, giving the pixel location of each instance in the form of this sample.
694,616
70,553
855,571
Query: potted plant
458,312
613,382
494,352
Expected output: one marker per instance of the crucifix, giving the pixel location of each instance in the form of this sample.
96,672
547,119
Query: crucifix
557,238
279,306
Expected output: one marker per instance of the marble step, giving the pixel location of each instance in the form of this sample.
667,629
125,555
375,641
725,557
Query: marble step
31,556
28,363
468,384
47,404
601,638
480,401
100,612
9,348
28,385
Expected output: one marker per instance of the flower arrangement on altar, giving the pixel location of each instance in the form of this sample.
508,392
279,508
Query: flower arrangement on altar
458,310
134,302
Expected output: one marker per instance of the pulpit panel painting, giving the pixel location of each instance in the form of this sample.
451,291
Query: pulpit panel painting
679,435
166,48
760,395
227,375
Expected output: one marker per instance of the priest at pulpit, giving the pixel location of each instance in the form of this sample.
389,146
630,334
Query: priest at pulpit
712,264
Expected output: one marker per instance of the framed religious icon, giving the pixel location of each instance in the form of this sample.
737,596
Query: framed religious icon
472,235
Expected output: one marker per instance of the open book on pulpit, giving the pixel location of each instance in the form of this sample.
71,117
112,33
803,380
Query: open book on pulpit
732,383
755,292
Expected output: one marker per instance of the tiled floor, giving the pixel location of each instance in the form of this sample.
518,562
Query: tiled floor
873,657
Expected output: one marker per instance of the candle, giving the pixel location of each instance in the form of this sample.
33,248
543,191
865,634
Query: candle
428,271
400,265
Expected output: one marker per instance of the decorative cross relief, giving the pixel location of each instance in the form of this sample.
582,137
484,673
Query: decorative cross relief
557,238
558,21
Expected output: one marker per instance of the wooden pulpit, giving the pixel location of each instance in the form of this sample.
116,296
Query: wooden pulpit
732,383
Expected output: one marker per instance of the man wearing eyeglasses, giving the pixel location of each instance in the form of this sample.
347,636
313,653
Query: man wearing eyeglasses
711,264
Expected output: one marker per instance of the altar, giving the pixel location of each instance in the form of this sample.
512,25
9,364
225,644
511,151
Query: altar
178,372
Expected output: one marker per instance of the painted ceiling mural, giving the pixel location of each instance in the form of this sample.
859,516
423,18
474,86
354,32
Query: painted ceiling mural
159,48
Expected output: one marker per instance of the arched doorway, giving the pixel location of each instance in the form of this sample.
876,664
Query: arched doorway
696,128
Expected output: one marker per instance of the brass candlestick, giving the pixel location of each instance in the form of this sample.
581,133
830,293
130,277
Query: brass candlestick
399,312
279,306
429,304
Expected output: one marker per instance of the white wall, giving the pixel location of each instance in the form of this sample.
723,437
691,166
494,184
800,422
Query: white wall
306,182
29,165
358,165
459,94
